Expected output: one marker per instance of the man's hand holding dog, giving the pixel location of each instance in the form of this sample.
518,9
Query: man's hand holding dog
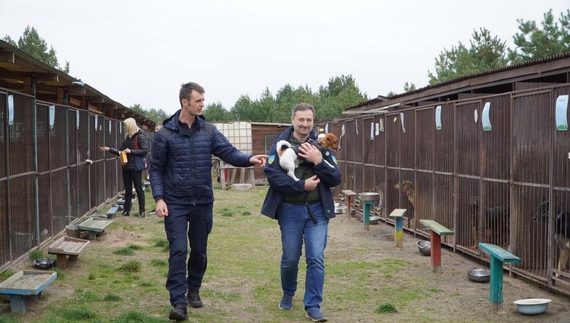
310,153
311,183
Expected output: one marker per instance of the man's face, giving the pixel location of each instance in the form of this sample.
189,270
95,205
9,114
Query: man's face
195,104
303,122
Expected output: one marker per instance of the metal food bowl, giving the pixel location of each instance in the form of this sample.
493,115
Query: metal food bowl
479,275
44,263
374,220
424,247
532,306
369,196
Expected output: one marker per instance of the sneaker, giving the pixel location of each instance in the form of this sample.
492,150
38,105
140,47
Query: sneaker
194,299
315,315
286,303
179,313
141,214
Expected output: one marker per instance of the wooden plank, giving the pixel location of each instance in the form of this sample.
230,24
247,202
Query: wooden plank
94,225
348,193
27,282
68,246
499,253
112,211
398,213
436,227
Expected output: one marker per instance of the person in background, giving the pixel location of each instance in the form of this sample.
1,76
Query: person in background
157,126
303,209
181,182
134,137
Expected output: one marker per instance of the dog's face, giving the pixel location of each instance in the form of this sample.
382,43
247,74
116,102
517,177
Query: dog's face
330,140
406,186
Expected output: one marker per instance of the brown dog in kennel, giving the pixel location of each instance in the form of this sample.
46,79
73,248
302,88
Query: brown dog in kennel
407,187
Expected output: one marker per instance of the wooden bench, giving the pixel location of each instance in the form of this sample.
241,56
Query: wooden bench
67,246
112,212
94,225
398,216
437,230
23,283
499,256
348,194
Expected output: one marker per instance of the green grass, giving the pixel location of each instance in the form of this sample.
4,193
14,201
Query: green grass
386,308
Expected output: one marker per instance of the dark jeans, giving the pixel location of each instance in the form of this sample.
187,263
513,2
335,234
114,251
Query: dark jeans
130,177
187,223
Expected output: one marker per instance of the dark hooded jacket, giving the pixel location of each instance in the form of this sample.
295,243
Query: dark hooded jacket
138,146
181,161
282,185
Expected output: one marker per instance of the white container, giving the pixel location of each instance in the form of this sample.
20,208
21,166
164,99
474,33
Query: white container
532,306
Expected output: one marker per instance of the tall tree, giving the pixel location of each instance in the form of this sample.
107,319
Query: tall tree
485,52
156,115
10,41
215,112
534,42
241,110
31,43
340,93
265,107
408,87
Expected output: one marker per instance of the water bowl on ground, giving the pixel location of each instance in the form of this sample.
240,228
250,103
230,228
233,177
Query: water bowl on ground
424,247
532,306
479,275
374,219
44,263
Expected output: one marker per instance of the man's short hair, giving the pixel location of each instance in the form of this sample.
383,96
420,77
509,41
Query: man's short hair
186,90
302,107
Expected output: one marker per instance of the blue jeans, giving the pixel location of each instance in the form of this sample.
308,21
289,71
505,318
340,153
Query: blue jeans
297,227
187,223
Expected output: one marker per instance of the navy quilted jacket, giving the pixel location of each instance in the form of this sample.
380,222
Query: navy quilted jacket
181,161
281,185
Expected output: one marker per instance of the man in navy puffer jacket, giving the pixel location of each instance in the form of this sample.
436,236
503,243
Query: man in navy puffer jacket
181,181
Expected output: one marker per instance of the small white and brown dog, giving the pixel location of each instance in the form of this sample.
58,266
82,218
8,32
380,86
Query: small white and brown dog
288,159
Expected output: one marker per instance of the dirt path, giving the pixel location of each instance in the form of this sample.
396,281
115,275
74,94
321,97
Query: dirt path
371,256
458,299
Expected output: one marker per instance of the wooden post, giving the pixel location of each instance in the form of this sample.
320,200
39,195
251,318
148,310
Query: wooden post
498,257
437,230
366,214
398,216
436,252
348,194
496,290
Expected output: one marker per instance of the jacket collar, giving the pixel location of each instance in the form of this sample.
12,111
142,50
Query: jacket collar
173,123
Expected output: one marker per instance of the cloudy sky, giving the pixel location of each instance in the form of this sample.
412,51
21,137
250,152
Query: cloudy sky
141,51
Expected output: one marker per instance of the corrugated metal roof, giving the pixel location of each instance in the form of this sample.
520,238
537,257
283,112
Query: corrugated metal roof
465,77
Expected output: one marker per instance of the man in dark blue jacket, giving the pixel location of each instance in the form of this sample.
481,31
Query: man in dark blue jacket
303,209
181,181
